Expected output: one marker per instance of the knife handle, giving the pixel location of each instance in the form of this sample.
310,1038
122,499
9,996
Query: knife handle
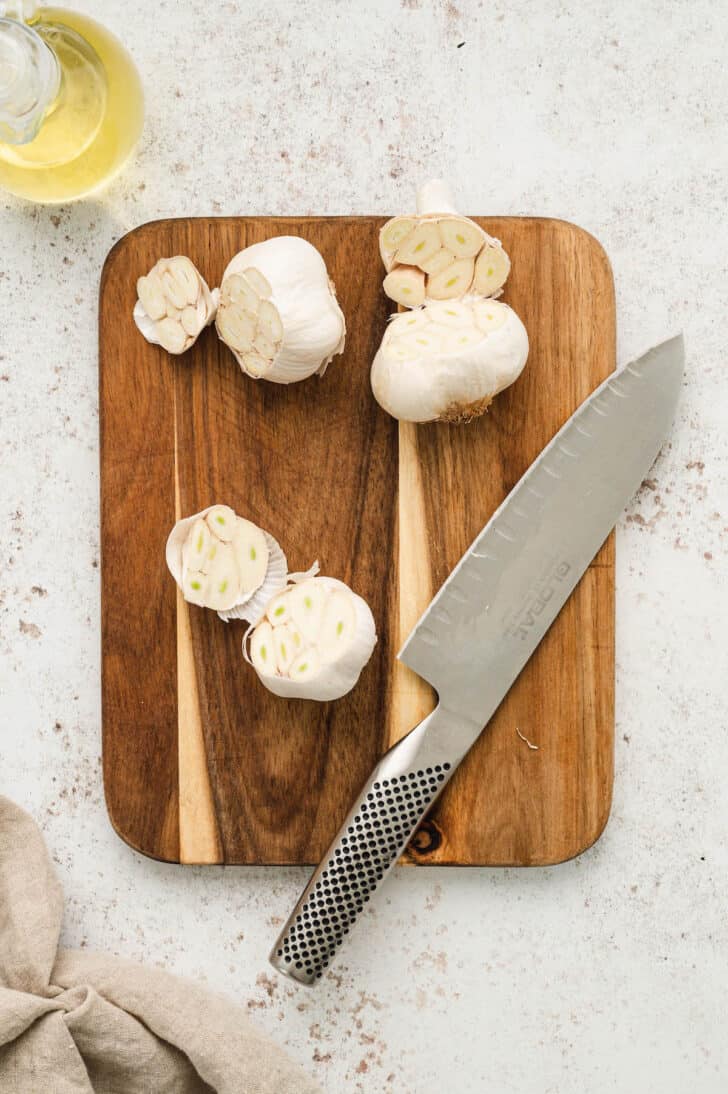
399,792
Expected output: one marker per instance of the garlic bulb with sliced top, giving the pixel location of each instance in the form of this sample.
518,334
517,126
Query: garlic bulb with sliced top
278,311
224,562
448,356
313,640
447,361
175,304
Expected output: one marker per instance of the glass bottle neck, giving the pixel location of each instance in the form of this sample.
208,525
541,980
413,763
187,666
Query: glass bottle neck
29,78
23,11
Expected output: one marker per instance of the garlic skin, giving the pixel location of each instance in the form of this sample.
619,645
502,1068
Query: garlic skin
447,361
174,304
457,347
438,254
435,196
278,312
313,640
224,562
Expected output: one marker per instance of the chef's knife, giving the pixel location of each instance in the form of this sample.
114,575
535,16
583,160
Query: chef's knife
480,630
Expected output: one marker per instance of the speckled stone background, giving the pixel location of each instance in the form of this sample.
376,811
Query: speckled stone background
608,973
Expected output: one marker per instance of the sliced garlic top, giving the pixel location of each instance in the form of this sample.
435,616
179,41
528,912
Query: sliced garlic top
174,304
439,254
278,311
224,562
313,640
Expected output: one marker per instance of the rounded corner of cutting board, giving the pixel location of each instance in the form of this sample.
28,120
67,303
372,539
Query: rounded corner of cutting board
589,240
154,851
132,237
588,836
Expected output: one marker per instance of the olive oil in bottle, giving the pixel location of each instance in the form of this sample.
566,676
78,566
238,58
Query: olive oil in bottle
71,105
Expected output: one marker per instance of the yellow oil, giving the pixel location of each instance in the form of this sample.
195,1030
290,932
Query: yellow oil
91,129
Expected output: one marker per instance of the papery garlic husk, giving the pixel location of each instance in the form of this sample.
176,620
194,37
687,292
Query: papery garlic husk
448,360
174,304
437,254
313,640
278,311
225,562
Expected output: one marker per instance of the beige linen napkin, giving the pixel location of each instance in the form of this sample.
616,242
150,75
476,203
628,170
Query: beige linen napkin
73,1022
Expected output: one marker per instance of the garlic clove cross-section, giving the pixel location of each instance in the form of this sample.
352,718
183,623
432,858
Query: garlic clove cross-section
313,640
278,312
440,252
174,304
449,355
452,365
225,562
406,286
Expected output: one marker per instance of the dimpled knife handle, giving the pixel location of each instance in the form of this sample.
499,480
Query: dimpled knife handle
379,826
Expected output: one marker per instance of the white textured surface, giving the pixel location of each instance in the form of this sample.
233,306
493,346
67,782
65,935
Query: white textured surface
605,974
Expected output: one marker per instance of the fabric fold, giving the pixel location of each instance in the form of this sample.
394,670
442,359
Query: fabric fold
77,1022
31,903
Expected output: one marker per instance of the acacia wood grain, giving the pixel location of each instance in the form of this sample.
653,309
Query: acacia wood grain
199,839
328,473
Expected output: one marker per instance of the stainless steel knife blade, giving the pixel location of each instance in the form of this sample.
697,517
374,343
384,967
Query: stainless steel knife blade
480,630
501,598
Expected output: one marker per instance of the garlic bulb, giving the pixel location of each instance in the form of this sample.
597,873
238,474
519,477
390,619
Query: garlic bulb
174,305
278,311
447,362
439,254
224,562
313,641
448,356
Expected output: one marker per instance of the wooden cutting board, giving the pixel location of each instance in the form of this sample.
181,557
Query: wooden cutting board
201,763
